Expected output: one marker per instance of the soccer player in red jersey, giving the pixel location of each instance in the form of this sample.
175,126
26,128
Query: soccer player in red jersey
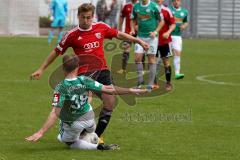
86,40
164,41
126,14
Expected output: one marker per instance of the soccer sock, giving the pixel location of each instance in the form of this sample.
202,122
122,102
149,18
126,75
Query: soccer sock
81,144
177,61
157,69
152,73
168,72
60,34
143,62
104,118
125,60
139,71
50,36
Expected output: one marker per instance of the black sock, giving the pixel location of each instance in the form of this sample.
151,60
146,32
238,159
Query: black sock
125,58
143,62
104,118
168,72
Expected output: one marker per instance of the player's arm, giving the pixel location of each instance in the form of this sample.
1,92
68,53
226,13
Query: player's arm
124,36
170,30
185,23
119,90
96,86
159,27
37,74
120,23
121,18
133,24
160,18
184,26
52,9
53,116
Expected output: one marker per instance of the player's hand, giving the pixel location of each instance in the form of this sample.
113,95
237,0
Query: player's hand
166,35
182,27
34,137
144,45
132,32
36,75
51,18
153,34
138,91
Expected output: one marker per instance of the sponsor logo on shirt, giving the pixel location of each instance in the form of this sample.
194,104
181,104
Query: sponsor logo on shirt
91,45
98,35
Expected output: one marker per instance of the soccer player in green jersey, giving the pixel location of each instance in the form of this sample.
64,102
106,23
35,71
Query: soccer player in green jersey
181,18
71,106
148,17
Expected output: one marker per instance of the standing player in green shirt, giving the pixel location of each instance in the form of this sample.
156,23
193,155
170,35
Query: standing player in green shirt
181,17
148,17
70,105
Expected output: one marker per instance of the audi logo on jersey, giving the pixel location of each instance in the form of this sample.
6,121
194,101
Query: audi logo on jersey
91,45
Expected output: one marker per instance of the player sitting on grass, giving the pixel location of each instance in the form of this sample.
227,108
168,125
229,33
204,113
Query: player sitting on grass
70,105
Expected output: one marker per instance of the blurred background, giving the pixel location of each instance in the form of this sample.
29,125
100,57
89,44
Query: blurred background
211,19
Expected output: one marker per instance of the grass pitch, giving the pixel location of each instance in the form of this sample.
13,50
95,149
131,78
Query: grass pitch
197,120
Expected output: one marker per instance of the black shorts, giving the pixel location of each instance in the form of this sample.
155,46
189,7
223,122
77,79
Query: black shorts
103,76
164,51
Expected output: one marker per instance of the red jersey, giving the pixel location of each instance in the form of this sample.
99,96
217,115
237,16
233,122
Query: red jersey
88,45
169,20
126,13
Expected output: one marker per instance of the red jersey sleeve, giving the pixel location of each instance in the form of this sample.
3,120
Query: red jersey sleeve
110,32
170,17
64,44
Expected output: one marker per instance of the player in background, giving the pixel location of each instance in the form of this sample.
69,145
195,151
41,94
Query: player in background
147,15
70,105
164,41
87,41
126,14
181,17
59,11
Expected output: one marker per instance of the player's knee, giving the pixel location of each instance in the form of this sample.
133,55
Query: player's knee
109,103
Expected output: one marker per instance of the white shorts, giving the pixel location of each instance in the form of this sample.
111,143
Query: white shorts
153,45
71,133
177,43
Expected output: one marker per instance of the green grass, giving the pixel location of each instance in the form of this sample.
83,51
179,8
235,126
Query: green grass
210,133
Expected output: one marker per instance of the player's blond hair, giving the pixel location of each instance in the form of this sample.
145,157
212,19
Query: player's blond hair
86,7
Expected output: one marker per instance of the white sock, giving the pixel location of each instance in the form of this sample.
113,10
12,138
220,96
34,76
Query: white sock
152,73
81,144
177,60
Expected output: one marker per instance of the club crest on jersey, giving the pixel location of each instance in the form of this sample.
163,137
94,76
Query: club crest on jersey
148,10
79,38
182,14
56,98
98,35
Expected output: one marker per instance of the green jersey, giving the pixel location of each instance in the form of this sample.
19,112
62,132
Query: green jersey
181,16
71,95
147,17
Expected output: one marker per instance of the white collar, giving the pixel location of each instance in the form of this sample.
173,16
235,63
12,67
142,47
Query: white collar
84,30
145,4
178,9
71,79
